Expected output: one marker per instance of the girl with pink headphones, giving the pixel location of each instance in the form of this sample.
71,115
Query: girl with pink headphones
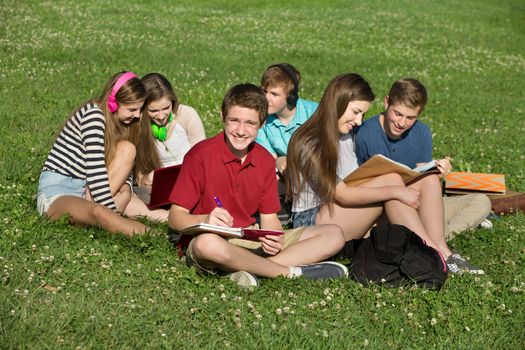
168,130
88,172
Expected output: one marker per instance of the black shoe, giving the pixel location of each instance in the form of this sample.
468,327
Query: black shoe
324,270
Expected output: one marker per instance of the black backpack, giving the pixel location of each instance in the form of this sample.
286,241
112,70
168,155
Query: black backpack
395,256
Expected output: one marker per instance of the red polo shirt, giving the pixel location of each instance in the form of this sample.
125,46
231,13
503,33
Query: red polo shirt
210,169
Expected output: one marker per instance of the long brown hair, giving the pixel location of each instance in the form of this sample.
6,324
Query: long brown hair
131,92
313,151
157,87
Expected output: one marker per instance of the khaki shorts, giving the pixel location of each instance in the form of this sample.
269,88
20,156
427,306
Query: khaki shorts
207,268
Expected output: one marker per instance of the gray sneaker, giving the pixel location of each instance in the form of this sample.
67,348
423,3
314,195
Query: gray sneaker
324,270
457,264
244,279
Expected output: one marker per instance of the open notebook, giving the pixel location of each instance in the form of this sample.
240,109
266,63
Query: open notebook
157,195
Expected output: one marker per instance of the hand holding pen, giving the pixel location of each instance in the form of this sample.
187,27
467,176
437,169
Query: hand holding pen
219,216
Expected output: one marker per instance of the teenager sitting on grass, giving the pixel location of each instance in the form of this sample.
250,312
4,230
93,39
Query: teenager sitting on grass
287,111
87,174
168,130
232,167
398,134
322,153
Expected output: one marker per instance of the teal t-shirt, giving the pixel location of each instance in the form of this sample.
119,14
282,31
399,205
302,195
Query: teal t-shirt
275,136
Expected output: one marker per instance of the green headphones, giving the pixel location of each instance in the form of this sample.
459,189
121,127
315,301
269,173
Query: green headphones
161,132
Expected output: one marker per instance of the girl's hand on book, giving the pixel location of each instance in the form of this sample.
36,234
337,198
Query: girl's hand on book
272,244
219,217
444,165
410,196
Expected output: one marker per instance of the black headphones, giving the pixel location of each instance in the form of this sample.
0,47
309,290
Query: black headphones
293,96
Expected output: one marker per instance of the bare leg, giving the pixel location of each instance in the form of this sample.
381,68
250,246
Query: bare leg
118,172
214,251
121,165
86,213
431,210
316,244
355,222
136,207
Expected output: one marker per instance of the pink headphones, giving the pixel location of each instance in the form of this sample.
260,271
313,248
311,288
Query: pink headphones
112,102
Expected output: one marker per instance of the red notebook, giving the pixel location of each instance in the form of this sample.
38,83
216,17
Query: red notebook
157,196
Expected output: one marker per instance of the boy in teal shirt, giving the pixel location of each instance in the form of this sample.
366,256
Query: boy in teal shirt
286,111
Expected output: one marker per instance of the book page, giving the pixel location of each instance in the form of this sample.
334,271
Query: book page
425,167
232,232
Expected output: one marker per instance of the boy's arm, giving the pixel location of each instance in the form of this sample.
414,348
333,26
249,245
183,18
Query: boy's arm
271,222
179,218
271,244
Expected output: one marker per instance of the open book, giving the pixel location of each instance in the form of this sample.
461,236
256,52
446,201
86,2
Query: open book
230,232
381,165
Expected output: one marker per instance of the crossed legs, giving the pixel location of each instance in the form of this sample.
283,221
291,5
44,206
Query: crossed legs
85,212
356,221
315,244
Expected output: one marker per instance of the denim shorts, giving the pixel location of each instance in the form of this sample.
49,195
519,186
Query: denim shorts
52,186
304,218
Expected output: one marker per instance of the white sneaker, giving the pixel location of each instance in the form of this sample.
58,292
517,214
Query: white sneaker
486,223
244,279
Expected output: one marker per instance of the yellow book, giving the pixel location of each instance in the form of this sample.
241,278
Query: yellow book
381,165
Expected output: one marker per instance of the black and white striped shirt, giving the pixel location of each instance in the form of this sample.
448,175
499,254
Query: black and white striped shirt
78,152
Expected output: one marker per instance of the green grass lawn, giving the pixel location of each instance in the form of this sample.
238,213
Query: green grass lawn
68,287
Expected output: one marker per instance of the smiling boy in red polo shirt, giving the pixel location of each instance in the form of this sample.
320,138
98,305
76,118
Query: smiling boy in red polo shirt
232,167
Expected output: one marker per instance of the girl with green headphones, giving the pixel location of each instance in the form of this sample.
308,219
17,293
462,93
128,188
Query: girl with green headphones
168,130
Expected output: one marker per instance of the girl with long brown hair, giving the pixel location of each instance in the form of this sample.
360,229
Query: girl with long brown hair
87,174
321,154
168,130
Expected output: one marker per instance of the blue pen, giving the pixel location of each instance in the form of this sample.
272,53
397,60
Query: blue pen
218,201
